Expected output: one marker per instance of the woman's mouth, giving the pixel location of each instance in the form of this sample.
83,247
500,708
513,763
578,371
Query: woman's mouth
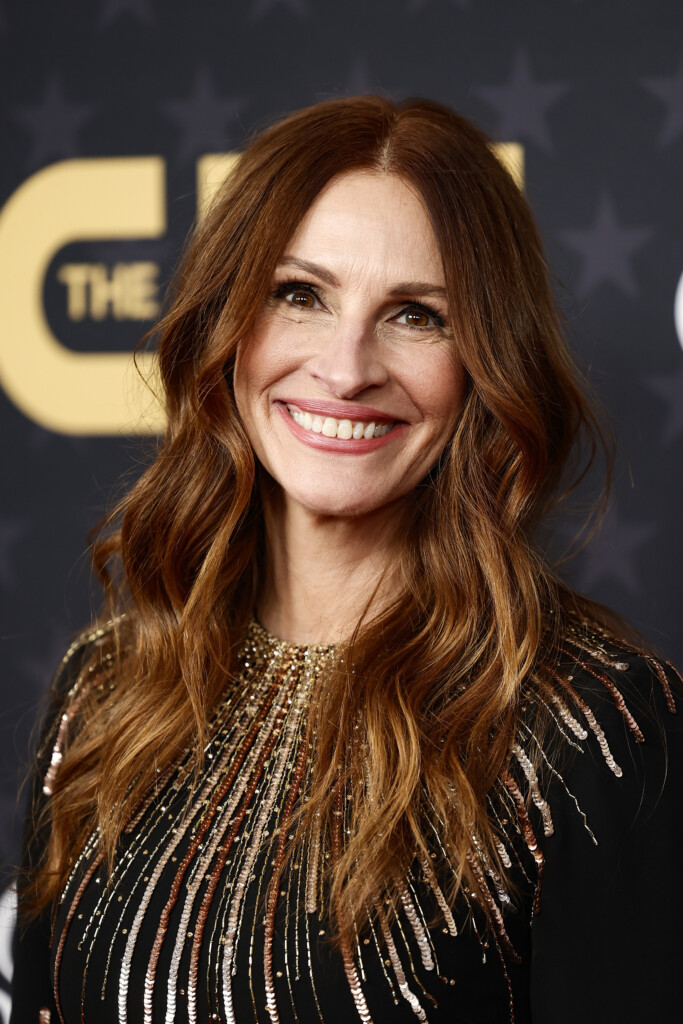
344,429
359,434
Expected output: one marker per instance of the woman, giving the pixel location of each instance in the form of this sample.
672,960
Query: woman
344,746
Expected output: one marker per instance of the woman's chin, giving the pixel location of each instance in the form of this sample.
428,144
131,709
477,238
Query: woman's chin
332,501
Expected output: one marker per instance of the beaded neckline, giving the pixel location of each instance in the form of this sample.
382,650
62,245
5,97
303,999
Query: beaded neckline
258,632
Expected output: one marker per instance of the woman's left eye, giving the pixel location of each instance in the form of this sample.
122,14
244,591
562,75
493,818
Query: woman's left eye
419,317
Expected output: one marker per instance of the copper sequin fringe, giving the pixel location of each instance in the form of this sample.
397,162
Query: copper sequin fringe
223,851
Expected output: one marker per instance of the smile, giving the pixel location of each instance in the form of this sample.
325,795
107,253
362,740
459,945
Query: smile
343,434
345,430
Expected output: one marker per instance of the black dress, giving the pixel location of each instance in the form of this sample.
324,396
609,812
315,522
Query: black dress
192,926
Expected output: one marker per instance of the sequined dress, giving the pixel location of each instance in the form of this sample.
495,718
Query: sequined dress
202,921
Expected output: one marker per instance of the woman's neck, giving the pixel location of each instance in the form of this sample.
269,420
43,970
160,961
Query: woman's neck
322,571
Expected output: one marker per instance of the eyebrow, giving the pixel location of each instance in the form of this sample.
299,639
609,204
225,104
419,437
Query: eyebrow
403,288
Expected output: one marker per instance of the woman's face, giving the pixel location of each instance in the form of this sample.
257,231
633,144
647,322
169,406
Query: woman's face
349,387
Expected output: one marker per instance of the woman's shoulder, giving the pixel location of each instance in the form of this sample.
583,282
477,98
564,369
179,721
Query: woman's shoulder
611,776
624,696
83,647
600,664
83,663
611,755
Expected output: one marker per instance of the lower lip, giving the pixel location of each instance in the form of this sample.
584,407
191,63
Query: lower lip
336,444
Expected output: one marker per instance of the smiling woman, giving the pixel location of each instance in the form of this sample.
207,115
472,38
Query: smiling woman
352,327
321,758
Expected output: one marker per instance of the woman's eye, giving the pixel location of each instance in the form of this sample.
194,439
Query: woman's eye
420,318
304,299
297,296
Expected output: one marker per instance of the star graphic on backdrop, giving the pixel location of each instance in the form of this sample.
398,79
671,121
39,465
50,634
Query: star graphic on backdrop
11,530
262,7
418,5
141,10
611,555
670,388
54,124
670,92
607,249
360,81
204,118
522,103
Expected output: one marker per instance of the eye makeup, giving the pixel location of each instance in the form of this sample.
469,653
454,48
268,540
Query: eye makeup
280,291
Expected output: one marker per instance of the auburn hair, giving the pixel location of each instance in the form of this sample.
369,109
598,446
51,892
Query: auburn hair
440,675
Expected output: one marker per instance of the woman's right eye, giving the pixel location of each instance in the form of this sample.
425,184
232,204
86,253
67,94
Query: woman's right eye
297,295
300,298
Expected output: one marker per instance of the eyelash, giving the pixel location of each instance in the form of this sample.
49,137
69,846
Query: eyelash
301,286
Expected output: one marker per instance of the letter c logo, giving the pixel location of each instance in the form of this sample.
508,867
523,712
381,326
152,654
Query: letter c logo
66,391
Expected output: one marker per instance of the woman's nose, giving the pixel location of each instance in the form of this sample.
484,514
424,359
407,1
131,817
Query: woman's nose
349,361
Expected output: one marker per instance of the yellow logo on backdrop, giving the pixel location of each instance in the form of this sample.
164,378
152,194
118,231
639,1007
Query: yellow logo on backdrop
127,292
80,200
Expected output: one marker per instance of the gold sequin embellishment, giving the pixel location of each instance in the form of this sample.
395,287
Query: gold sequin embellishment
204,919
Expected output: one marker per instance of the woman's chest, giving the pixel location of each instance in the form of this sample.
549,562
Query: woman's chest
178,938
204,919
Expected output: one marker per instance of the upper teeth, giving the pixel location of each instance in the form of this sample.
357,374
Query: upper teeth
331,427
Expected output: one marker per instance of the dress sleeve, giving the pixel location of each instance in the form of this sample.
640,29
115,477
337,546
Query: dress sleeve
32,997
606,945
32,994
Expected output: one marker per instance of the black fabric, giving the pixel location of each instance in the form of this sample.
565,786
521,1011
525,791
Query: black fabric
605,946
32,988
31,980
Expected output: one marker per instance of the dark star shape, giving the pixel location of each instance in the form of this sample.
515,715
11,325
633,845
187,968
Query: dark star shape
670,91
359,81
11,531
54,124
262,7
611,555
204,118
607,249
522,103
669,387
141,10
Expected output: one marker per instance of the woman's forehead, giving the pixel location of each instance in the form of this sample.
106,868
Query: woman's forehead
368,222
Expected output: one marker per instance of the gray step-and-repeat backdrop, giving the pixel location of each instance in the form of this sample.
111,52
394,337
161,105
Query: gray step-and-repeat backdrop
118,118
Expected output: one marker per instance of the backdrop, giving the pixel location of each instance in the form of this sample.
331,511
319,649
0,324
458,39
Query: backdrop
116,118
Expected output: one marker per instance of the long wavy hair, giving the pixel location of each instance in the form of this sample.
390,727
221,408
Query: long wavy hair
440,676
